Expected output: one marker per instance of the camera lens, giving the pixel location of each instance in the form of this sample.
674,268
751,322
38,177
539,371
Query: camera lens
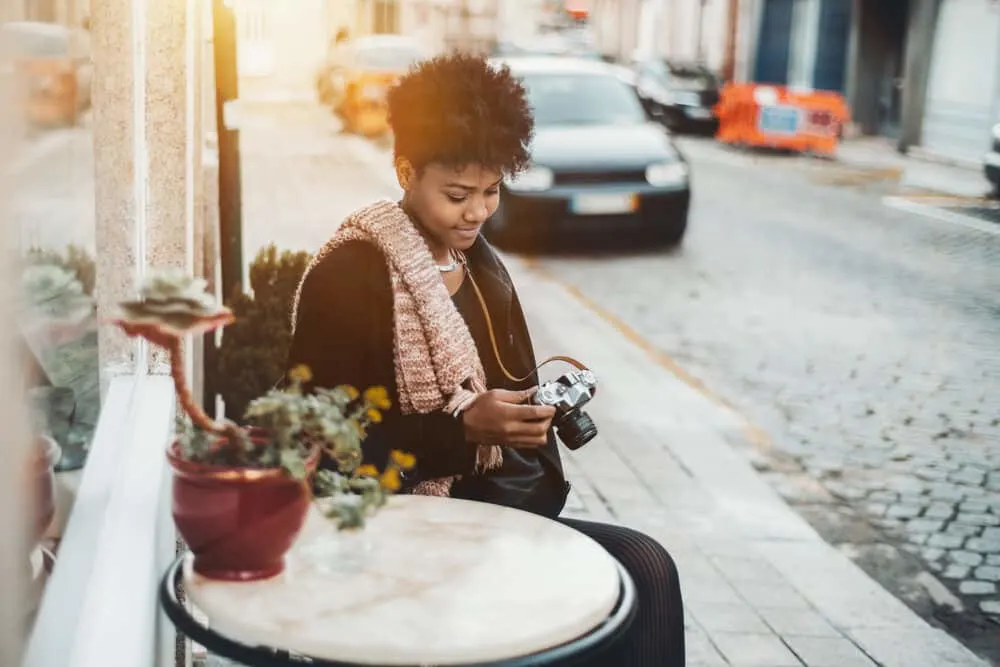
576,429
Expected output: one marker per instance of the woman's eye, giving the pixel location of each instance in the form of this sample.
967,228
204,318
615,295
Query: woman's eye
493,193
458,199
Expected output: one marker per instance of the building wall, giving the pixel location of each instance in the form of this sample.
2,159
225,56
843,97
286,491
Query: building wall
963,94
280,45
677,30
664,28
427,22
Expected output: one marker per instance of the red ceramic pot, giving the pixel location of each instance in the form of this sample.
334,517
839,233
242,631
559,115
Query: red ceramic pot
238,522
46,455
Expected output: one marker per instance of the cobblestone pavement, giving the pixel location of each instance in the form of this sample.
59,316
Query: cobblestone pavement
865,341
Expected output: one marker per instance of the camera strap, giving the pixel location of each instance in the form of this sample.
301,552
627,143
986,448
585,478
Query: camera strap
493,339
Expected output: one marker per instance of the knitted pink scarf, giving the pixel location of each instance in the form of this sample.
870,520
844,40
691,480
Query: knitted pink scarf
436,360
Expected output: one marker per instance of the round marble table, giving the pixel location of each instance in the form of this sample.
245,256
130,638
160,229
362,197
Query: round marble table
430,581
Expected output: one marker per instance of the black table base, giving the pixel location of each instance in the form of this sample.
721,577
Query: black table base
565,655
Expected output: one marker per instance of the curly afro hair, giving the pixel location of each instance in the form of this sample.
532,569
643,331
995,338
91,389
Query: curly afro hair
459,110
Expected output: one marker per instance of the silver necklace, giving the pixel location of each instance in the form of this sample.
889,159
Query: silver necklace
448,268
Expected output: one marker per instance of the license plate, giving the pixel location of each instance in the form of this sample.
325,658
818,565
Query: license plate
698,113
779,120
598,204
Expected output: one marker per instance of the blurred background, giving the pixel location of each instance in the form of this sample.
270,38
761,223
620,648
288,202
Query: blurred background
792,202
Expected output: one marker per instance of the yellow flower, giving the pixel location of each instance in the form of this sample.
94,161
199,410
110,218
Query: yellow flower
379,397
366,470
301,373
374,416
403,459
351,392
390,480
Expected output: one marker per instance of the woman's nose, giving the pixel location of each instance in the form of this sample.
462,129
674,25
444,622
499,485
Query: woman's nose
476,212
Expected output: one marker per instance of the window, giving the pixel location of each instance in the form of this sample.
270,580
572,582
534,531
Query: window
53,214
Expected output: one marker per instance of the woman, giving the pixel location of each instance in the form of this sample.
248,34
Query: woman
405,296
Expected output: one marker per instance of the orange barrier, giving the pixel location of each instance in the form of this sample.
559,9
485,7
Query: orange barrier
763,115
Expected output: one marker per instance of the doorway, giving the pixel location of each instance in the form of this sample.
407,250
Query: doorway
881,62
774,42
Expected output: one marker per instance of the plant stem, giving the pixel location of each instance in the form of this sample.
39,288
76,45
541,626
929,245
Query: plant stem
187,401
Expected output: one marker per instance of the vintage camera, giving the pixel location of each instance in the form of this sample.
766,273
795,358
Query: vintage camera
568,395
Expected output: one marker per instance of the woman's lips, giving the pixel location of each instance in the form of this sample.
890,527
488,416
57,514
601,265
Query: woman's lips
470,233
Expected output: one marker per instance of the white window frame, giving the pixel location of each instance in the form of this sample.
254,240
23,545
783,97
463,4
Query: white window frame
100,605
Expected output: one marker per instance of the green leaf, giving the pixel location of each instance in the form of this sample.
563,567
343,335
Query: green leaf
292,462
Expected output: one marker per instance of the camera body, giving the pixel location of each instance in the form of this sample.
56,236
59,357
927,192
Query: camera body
568,394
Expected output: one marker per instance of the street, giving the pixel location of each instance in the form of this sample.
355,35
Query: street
860,342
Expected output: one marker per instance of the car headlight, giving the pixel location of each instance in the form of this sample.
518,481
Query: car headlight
533,179
667,173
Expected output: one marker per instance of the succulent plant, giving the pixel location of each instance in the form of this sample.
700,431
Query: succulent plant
54,306
55,292
172,304
295,423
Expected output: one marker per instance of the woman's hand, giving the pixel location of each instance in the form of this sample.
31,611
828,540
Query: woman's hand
499,416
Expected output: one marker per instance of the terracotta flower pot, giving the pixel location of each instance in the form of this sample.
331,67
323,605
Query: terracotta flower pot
238,522
47,453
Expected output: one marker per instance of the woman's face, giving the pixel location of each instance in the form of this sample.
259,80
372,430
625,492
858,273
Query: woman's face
452,204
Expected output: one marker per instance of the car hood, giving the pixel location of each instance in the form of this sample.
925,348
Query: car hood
602,146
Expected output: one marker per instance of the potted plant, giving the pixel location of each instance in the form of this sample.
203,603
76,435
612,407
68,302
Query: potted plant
59,329
55,309
241,492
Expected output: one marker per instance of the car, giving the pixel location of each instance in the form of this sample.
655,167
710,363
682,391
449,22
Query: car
991,163
358,74
600,167
52,69
683,95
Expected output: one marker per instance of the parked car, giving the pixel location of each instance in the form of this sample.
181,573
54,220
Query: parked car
991,163
600,167
357,75
683,95
52,70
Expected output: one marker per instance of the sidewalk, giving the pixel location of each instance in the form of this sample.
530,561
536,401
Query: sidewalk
917,170
761,588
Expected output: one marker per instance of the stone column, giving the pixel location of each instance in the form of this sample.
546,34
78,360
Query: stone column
919,54
146,143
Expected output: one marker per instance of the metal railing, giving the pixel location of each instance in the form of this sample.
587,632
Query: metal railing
100,605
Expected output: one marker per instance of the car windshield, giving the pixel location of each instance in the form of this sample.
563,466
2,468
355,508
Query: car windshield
679,77
691,78
582,99
386,57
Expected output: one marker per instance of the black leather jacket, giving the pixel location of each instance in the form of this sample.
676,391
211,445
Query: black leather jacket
344,333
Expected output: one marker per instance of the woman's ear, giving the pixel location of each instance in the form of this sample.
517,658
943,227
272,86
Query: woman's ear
404,173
